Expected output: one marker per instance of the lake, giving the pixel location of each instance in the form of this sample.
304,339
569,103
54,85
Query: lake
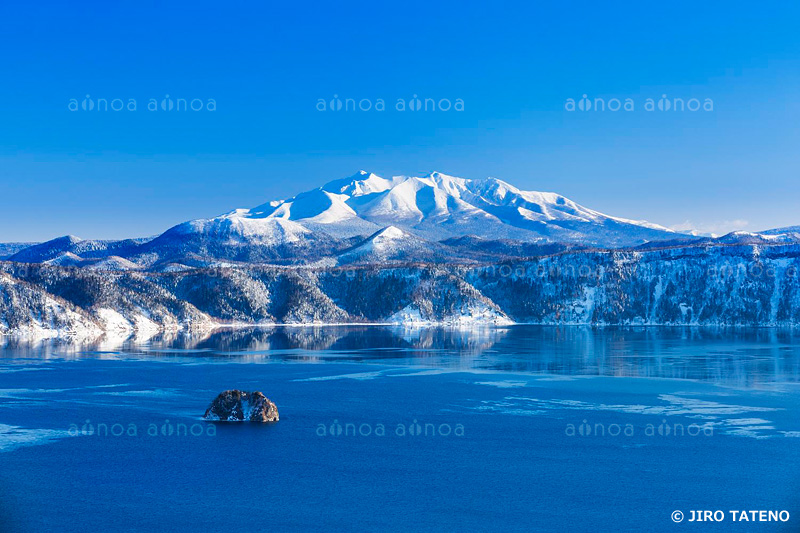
518,428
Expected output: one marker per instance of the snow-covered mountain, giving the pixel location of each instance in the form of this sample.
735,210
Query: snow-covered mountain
751,285
435,249
363,218
8,249
72,250
437,207
366,219
392,244
787,233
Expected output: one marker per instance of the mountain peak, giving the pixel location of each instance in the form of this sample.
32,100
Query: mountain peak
439,206
71,239
360,183
440,175
390,233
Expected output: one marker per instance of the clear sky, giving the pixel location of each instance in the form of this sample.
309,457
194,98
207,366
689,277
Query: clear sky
113,174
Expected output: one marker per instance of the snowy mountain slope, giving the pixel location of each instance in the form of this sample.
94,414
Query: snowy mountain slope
359,219
697,285
47,251
112,263
438,206
8,249
74,248
334,219
772,237
485,249
392,244
789,230
28,309
236,238
65,259
435,249
52,301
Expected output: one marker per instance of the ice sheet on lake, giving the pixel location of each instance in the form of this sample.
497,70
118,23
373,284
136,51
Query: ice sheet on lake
503,384
713,413
149,393
13,437
356,376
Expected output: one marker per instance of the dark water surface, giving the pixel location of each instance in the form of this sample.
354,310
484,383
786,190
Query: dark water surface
513,429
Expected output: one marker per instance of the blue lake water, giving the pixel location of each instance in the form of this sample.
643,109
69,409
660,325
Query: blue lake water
509,429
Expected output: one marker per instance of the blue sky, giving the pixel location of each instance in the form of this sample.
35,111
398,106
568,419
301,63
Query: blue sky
109,174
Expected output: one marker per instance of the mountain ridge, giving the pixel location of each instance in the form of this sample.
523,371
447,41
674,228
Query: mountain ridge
330,220
439,206
441,218
729,285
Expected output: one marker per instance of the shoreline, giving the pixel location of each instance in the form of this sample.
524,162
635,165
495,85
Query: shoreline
121,337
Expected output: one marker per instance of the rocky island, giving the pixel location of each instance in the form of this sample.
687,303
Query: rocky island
241,406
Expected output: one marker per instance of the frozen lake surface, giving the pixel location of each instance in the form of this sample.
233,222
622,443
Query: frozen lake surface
511,429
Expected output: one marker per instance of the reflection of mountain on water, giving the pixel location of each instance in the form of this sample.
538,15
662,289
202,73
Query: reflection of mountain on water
360,342
345,342
469,341
740,357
